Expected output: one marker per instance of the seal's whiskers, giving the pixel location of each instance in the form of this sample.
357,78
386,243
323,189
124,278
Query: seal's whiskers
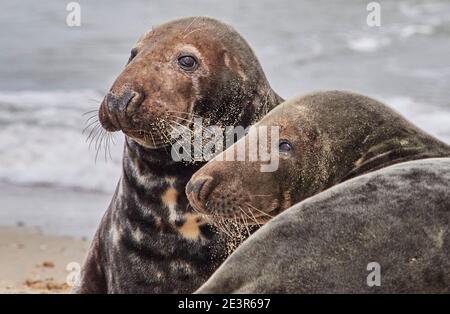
258,210
254,219
244,220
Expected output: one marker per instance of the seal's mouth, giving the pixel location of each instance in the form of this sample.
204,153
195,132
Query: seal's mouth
127,113
146,139
154,139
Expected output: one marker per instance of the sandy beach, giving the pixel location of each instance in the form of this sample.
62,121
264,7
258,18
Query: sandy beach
33,262
42,230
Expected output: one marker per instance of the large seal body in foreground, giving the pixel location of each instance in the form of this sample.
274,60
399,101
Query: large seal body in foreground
150,240
397,217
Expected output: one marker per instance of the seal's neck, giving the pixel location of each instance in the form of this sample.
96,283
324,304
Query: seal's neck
372,152
395,151
154,162
264,103
154,182
155,219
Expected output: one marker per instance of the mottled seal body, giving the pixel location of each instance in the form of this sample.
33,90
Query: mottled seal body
325,138
397,217
150,240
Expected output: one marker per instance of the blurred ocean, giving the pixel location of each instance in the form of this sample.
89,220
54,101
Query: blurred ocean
51,74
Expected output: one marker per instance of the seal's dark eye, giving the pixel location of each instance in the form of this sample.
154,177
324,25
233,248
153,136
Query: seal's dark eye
133,54
187,63
284,146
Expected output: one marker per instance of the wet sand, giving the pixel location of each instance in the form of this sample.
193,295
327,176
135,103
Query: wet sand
33,262
42,230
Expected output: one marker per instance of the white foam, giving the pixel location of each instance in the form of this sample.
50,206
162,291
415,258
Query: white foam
411,30
41,141
367,43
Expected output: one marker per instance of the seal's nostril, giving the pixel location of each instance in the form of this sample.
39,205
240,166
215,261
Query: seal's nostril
196,186
119,102
198,190
189,188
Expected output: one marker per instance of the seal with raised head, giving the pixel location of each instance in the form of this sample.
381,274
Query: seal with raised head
150,240
370,190
324,138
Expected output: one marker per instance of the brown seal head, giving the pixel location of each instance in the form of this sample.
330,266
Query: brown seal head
189,67
324,138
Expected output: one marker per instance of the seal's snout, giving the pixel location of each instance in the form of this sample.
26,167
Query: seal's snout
116,106
119,102
198,190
